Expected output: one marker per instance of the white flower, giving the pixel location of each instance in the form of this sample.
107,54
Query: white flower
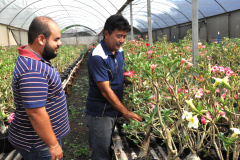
186,114
217,80
225,81
192,121
236,132
190,103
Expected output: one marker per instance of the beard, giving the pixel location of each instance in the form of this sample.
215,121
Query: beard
48,52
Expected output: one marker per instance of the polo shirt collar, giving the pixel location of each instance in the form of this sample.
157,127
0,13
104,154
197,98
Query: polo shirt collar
31,54
106,49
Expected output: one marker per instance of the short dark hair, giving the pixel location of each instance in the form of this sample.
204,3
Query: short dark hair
118,22
39,25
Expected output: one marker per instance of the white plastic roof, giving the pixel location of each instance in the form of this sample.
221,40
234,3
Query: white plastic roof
90,15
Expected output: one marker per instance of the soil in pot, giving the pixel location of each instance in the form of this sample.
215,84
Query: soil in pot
223,122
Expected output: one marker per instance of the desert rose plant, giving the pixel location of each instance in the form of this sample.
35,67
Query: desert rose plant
180,104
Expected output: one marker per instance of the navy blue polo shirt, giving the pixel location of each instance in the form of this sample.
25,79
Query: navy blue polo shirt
104,66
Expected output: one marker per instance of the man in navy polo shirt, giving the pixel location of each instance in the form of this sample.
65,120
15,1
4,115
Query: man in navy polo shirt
105,67
41,118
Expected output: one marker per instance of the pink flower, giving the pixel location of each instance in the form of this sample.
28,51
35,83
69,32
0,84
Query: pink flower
221,68
224,95
221,112
153,97
170,90
186,91
189,65
217,90
199,93
153,66
216,42
151,106
214,69
236,96
225,90
180,90
208,115
204,120
227,68
11,117
149,52
182,61
129,74
229,73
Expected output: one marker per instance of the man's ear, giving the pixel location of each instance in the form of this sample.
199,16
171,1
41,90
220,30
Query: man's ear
106,34
41,39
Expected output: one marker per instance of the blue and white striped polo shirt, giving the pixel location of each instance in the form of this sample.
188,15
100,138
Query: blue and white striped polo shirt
36,83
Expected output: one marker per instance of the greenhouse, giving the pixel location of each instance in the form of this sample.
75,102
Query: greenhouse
180,66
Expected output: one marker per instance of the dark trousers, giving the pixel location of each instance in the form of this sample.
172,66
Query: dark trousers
100,136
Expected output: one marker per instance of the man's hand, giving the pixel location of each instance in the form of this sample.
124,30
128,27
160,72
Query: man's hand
130,115
56,153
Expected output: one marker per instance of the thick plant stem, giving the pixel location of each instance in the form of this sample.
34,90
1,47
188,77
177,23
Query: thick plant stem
145,146
3,128
171,152
228,153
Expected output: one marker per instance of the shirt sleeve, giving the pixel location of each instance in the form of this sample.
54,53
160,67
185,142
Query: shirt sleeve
98,69
33,89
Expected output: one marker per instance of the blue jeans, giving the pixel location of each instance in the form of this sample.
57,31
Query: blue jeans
36,155
100,136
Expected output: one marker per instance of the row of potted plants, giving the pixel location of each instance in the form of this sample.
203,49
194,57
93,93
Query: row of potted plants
183,105
67,55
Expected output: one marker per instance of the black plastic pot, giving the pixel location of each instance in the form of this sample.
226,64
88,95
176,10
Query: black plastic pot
5,145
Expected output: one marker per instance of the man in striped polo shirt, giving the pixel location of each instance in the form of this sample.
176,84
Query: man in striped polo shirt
41,118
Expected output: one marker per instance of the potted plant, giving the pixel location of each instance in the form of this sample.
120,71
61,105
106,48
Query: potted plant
5,119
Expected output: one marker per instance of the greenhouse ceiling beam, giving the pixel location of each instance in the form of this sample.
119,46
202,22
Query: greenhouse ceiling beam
175,9
166,13
70,18
77,25
7,5
158,18
69,10
198,9
112,4
64,25
82,17
142,23
124,6
22,10
55,6
102,7
221,6
48,6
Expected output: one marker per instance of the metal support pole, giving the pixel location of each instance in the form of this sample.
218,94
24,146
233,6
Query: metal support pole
149,24
8,30
131,17
194,32
20,39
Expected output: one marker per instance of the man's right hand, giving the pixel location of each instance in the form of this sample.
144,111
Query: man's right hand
130,115
56,153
